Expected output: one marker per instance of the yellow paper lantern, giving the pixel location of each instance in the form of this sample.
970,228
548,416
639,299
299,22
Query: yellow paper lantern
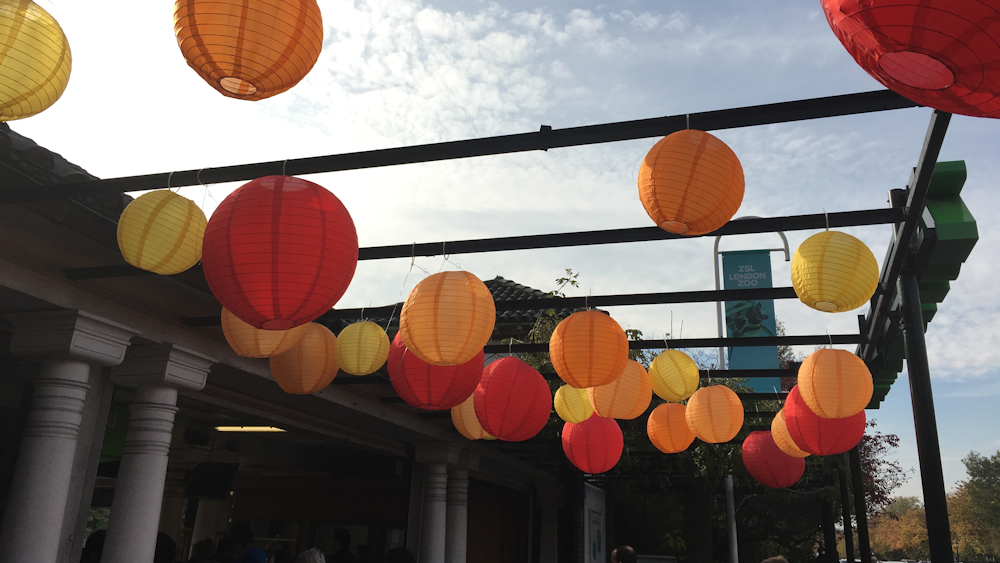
667,428
362,348
835,383
626,398
834,272
464,418
714,414
162,232
252,342
673,375
308,366
35,59
447,318
572,404
782,438
588,348
691,183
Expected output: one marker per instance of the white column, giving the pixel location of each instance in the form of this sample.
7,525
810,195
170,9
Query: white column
158,369
458,507
172,511
550,500
68,342
435,457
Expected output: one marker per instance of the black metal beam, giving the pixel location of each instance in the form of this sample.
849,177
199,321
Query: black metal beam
697,343
544,139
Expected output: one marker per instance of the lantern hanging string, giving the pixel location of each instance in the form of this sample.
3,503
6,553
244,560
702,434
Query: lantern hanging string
169,176
687,120
827,217
283,165
444,255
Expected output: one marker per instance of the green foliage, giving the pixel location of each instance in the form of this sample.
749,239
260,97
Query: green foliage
984,486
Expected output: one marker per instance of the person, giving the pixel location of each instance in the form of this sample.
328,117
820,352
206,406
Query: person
94,547
341,547
225,551
311,555
165,550
776,559
624,554
400,555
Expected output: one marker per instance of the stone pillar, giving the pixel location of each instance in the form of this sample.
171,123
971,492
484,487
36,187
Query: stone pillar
550,500
158,370
172,512
458,507
435,457
68,344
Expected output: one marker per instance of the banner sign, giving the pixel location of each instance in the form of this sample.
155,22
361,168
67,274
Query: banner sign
748,269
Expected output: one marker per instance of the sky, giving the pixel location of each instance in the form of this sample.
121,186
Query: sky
401,72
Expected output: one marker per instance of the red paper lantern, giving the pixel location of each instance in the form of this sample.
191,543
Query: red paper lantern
939,53
821,436
428,387
767,464
279,252
513,401
594,445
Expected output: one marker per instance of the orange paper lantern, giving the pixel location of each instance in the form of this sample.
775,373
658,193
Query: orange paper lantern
249,49
308,366
362,348
572,404
588,349
251,342
668,429
447,318
835,383
626,398
784,441
691,183
464,418
673,376
715,414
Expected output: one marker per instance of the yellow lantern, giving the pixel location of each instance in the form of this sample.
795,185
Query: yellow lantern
464,418
162,232
673,375
588,348
782,438
447,318
572,404
308,366
626,398
714,414
251,342
362,348
834,272
35,59
667,428
835,383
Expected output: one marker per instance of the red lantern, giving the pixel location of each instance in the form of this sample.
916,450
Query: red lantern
821,436
279,252
513,401
939,53
428,387
767,464
594,445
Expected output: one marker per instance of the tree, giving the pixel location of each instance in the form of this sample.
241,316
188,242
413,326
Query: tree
984,487
971,535
881,475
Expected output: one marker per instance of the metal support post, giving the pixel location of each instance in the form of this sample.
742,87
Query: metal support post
734,545
860,505
845,504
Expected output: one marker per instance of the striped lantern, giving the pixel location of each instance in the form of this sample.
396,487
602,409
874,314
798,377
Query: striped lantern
821,436
668,430
594,445
513,401
362,348
431,387
834,272
588,348
714,414
35,60
447,318
626,398
463,416
784,441
768,464
308,366
251,342
161,232
572,404
673,376
835,383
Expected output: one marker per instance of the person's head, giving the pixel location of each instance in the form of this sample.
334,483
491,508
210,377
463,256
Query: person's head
778,559
166,549
400,555
94,547
205,549
343,538
226,550
242,535
624,554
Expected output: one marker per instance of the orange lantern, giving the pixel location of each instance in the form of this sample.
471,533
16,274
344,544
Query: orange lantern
779,431
626,398
572,404
447,318
691,183
464,418
835,383
673,376
667,428
714,414
249,49
588,349
308,366
251,342
362,348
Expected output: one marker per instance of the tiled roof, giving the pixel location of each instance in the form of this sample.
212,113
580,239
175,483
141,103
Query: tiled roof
507,290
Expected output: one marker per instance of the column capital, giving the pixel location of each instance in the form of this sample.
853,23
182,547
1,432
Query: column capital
436,452
467,460
163,364
69,334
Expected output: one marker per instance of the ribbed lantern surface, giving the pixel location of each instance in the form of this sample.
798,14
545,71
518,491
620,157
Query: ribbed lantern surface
784,441
309,365
821,436
447,318
626,398
834,272
430,387
35,60
464,418
594,445
513,401
362,348
673,376
251,342
835,383
588,348
162,232
768,464
714,414
667,428
572,404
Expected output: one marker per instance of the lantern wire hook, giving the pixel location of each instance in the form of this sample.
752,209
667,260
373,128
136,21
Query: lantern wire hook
827,216
283,166
169,176
687,120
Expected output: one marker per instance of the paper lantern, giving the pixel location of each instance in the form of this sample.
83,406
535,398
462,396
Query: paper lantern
513,401
784,441
821,436
667,428
940,53
362,348
834,272
249,49
572,404
768,464
673,376
308,366
35,59
463,416
279,252
161,232
714,414
626,398
430,387
251,342
448,318
835,383
588,349
594,445
691,183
